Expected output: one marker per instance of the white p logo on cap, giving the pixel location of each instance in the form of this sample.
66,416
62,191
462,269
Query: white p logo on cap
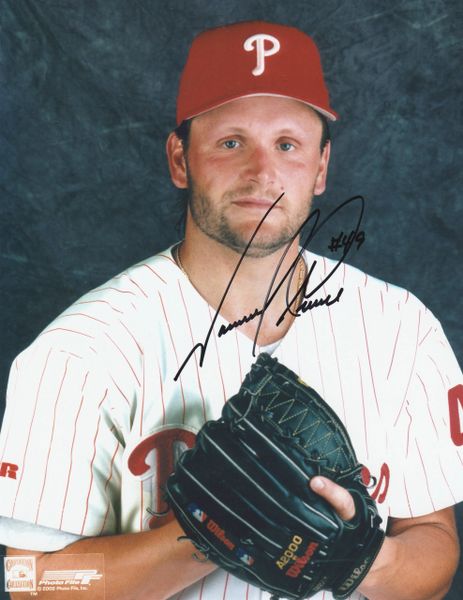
257,42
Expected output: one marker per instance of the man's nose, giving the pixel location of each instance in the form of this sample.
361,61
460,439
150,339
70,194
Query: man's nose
260,166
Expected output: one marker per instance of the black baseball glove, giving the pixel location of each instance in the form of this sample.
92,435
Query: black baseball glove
242,493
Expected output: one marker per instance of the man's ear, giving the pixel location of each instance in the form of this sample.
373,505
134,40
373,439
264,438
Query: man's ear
177,161
320,181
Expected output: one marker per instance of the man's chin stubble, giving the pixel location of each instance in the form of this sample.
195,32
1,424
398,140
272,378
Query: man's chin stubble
220,231
258,248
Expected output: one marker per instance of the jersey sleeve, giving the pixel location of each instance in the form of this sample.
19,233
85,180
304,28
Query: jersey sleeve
27,536
59,447
427,441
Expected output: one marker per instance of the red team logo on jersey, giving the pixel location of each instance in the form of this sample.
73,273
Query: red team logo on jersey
153,460
381,486
455,409
8,470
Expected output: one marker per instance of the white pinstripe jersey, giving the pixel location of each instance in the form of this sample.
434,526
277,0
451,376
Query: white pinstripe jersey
94,418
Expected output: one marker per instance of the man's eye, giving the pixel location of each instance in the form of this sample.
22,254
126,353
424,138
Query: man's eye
286,146
230,144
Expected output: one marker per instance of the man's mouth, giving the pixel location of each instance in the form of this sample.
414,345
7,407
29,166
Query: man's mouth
253,202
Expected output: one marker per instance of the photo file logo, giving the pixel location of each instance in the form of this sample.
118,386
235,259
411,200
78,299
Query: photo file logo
71,576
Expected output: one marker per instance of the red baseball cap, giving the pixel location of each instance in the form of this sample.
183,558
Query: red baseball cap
251,58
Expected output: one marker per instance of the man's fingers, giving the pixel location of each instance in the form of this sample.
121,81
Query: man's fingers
337,496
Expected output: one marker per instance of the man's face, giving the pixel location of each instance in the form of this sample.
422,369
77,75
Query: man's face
241,157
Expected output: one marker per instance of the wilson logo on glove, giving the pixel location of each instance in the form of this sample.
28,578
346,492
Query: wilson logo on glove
218,532
300,562
211,525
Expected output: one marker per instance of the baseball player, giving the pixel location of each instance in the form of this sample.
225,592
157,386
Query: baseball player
103,402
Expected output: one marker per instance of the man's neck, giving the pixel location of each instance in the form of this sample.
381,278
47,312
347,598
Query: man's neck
239,292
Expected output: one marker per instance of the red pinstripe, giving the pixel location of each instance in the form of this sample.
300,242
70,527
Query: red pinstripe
298,354
411,370
73,354
102,289
140,288
153,271
176,355
363,408
161,387
91,337
337,362
195,355
394,350
460,458
368,353
79,314
225,586
214,335
428,404
169,259
426,335
143,390
318,355
445,479
99,302
132,336
72,449
121,392
29,433
437,369
50,443
382,301
407,446
124,356
238,355
425,475
91,463
203,581
91,475
408,497
107,483
105,518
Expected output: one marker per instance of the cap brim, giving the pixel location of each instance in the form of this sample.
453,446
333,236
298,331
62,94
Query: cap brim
329,114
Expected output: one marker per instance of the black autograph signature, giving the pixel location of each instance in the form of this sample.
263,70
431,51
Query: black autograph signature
309,301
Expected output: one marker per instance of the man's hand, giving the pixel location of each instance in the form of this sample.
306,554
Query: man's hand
422,551
337,496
